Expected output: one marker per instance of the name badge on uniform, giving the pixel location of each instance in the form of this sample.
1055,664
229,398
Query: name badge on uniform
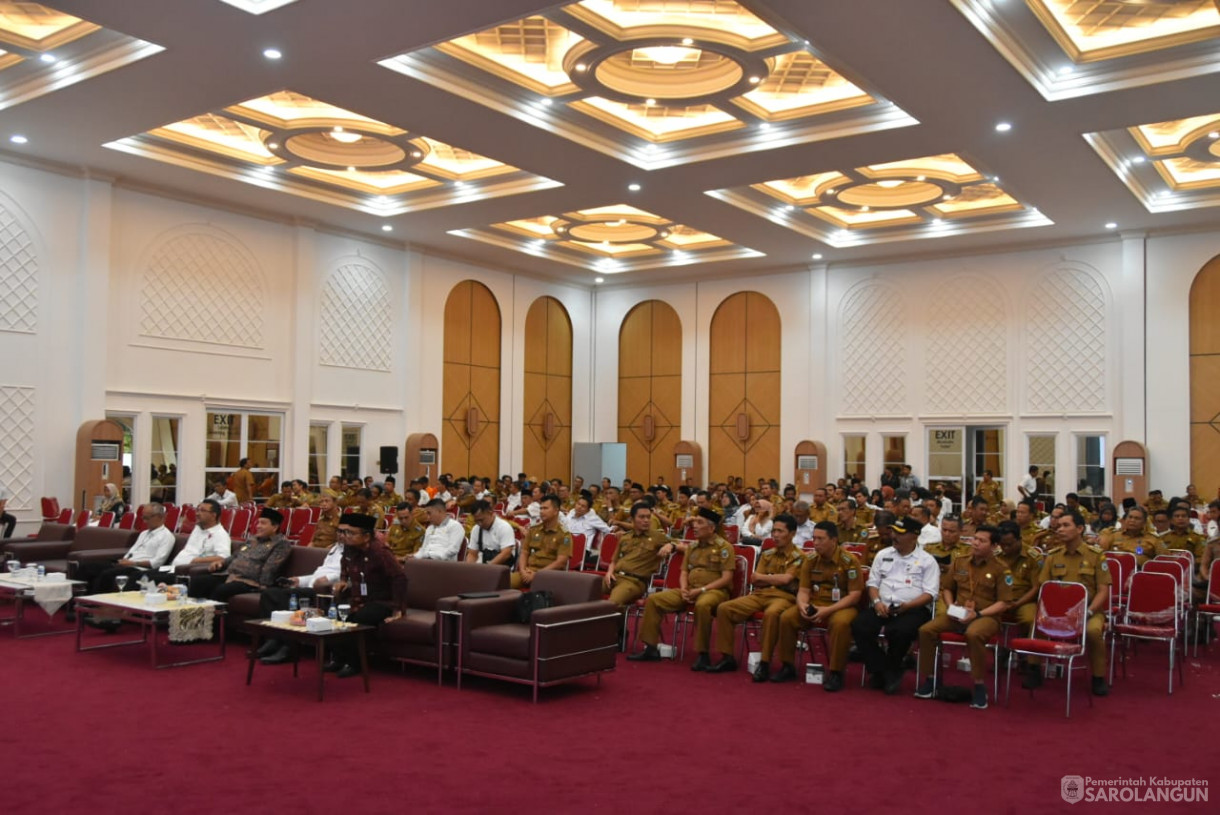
364,589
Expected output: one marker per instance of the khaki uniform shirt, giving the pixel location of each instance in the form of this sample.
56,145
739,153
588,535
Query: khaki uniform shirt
1024,569
944,555
977,585
825,513
704,562
853,534
1191,541
991,492
1087,565
326,532
1144,547
545,546
780,561
821,576
281,501
637,556
243,485
404,540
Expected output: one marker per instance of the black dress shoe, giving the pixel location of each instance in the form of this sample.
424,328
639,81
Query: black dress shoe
786,673
348,671
649,654
762,672
1100,688
702,663
268,648
893,682
833,682
1032,680
278,657
876,681
332,666
724,666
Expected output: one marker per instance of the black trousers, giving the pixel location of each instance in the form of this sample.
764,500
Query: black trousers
216,587
276,598
373,614
100,575
900,632
8,523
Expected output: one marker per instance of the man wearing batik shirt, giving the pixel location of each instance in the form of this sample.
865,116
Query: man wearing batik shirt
371,580
255,566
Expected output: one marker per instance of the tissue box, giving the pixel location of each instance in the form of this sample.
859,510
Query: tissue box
281,617
752,660
958,612
667,651
319,624
55,577
814,674
154,598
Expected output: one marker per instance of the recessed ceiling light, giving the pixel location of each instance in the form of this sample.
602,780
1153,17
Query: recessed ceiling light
791,207
1003,127
921,178
547,101
387,228
831,191
580,66
650,102
351,168
47,58
687,41
272,53
864,209
633,187
18,139
459,185
1215,134
890,183
599,280
1064,70
272,145
937,221
1138,160
754,80
817,255
416,154
764,125
1111,225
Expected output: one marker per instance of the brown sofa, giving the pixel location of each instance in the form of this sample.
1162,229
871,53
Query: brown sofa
301,560
96,541
432,586
577,636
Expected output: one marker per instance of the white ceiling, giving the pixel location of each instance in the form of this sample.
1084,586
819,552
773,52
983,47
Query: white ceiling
922,55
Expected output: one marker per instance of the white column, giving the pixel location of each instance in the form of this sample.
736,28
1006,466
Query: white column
304,343
1131,365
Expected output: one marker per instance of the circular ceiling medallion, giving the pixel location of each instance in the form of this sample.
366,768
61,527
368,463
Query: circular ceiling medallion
1203,147
891,193
647,72
613,232
321,148
681,71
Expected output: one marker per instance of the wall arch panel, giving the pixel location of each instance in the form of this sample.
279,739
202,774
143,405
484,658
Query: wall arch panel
547,451
1205,378
650,388
470,435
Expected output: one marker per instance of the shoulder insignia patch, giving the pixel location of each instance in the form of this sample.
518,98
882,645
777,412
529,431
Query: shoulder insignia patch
851,574
1008,579
1105,566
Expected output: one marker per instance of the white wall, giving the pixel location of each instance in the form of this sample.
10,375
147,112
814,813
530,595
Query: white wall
114,300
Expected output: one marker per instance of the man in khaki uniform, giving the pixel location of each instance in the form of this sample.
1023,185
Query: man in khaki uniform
950,545
405,535
1134,539
326,531
981,587
1024,564
821,509
390,498
638,556
775,583
546,546
1031,533
284,499
831,583
705,582
974,516
990,490
1181,536
850,529
880,537
243,482
1156,500
1077,562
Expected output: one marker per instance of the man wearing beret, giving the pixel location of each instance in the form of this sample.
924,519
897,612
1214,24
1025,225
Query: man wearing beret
371,580
705,582
255,566
903,581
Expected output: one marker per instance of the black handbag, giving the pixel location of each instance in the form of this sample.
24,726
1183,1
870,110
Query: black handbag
531,601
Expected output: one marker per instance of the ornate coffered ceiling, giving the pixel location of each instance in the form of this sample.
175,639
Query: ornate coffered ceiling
638,140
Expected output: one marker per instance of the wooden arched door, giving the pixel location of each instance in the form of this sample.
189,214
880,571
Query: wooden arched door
470,436
744,389
650,389
1205,379
547,449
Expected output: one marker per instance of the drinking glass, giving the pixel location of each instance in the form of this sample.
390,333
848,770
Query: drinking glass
13,566
120,582
344,610
305,610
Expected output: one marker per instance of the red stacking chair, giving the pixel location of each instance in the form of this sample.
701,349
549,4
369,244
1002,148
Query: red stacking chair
186,522
742,569
1122,566
751,555
306,537
50,509
82,518
578,554
732,534
672,568
106,520
242,522
1176,569
954,639
606,553
769,543
226,519
860,550
1207,611
315,513
1058,631
296,519
172,515
65,515
1154,612
139,513
128,521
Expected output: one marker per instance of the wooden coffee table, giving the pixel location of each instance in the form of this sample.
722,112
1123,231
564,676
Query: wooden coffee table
130,607
320,640
21,591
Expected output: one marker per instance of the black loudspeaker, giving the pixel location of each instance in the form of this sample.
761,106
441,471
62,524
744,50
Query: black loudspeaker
389,460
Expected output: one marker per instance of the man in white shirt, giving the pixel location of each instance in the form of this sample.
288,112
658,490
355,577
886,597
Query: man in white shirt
583,521
1029,484
223,495
491,538
277,598
514,498
443,537
208,541
930,532
804,525
902,583
146,556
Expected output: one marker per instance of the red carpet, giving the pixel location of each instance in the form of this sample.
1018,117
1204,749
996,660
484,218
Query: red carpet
101,732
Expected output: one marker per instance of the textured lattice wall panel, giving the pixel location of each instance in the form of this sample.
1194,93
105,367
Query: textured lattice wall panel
17,445
871,353
355,328
966,357
1065,341
18,277
201,288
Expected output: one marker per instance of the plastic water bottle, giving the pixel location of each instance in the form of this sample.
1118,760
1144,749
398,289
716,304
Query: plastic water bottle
293,604
42,571
332,613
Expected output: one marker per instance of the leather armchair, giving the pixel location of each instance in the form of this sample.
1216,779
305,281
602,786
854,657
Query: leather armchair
96,540
432,587
302,560
578,636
